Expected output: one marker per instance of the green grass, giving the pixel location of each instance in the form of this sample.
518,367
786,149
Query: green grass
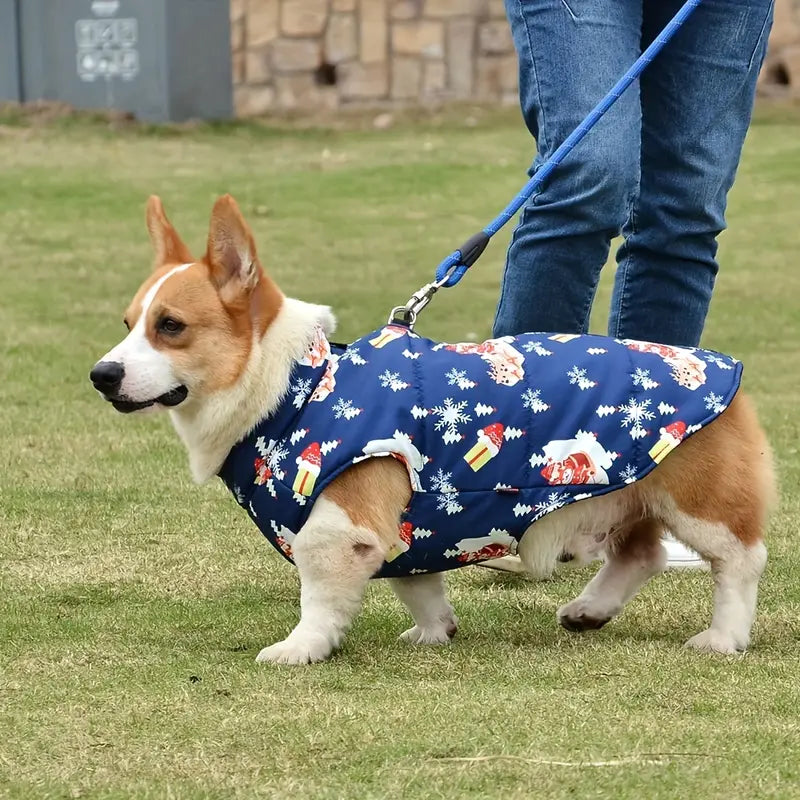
132,603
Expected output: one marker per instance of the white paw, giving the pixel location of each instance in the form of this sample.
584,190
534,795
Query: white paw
441,634
714,641
305,649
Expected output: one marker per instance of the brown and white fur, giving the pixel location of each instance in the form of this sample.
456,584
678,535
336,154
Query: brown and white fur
219,332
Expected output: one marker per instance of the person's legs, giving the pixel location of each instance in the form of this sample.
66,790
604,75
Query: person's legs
570,54
696,97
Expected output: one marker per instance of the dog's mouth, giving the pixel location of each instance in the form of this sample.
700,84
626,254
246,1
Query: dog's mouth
174,397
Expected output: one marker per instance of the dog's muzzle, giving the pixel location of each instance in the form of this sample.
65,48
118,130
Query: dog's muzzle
106,376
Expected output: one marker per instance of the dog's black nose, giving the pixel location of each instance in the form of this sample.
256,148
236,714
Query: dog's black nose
107,376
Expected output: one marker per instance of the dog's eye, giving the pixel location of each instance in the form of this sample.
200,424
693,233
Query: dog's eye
126,323
170,326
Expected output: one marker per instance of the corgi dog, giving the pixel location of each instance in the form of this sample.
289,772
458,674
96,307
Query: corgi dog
216,343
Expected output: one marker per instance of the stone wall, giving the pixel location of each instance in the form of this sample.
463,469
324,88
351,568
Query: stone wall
781,73
311,54
326,54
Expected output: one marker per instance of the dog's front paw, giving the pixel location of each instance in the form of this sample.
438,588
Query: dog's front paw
305,649
441,634
581,615
714,641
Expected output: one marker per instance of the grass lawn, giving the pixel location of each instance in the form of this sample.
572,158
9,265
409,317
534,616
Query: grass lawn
133,603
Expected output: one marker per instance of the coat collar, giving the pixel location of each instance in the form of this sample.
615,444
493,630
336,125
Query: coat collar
238,469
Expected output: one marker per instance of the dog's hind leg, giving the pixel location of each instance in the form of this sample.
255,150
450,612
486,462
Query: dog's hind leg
505,564
721,485
633,556
736,568
434,620
569,534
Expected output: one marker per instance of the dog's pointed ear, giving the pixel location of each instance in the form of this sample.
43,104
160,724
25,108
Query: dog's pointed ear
231,250
169,247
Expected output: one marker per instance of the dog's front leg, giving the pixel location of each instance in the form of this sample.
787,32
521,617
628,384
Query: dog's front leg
335,559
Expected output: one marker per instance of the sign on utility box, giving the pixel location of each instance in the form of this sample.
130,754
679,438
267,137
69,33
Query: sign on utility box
159,59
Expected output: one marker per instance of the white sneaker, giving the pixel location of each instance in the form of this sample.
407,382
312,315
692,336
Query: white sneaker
678,557
681,557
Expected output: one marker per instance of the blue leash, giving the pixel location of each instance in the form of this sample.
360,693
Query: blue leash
455,266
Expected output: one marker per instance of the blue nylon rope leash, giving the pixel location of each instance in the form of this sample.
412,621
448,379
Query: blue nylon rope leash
455,266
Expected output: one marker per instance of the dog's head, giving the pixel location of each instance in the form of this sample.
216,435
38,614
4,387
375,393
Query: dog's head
192,324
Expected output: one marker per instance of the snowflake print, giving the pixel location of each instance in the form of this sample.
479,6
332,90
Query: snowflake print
353,356
458,377
344,408
447,500
275,456
531,401
391,380
450,416
628,473
641,377
719,362
634,414
301,389
536,347
577,375
442,481
714,403
554,501
268,466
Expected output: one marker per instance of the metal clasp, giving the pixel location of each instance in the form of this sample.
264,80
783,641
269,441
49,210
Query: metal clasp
407,315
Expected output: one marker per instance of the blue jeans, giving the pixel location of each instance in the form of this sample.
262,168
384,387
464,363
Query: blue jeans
657,168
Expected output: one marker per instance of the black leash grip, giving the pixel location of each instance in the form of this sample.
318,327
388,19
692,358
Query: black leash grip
472,249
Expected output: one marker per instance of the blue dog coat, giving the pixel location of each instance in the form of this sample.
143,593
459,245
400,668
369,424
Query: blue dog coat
493,435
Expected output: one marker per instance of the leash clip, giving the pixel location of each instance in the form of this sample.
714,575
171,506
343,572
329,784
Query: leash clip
407,315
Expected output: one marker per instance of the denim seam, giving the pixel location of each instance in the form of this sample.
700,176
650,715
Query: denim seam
759,42
543,127
503,280
632,216
586,312
569,10
623,292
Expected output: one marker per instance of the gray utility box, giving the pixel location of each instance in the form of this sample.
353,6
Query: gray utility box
159,59
10,78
